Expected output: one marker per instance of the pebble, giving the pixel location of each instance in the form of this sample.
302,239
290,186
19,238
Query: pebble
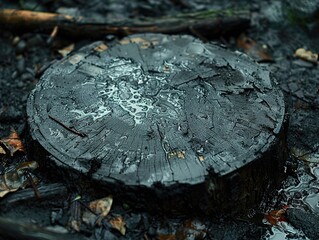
26,76
108,234
14,74
21,46
21,65
20,84
15,40
133,221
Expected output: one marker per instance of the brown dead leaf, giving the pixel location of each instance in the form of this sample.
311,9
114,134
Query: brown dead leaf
192,229
276,216
201,158
306,55
66,50
177,153
101,206
257,51
15,179
13,143
141,41
27,166
101,48
118,224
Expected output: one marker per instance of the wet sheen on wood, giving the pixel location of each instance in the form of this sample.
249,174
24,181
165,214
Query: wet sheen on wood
161,109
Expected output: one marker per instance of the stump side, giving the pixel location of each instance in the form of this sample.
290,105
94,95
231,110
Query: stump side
170,111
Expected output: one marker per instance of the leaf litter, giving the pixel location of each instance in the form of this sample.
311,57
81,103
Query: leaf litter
17,178
12,144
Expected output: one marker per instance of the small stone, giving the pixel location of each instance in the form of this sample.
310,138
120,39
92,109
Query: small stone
26,77
15,40
20,84
21,46
21,65
133,221
14,74
107,234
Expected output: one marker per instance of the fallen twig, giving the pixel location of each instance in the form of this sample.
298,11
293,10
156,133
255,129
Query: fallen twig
208,23
71,129
34,187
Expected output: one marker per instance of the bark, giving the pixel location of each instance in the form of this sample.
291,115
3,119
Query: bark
192,120
206,23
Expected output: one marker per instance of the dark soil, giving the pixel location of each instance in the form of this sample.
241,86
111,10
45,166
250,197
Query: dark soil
23,55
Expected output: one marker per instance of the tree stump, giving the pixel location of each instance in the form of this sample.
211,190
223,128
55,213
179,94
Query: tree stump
193,123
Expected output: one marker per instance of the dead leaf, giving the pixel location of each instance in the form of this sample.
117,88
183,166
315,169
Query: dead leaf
141,41
191,229
2,151
303,155
118,224
15,179
306,55
257,51
101,48
75,225
13,143
177,153
27,166
66,50
102,207
276,216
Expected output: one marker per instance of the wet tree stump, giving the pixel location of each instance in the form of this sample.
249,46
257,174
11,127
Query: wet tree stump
197,125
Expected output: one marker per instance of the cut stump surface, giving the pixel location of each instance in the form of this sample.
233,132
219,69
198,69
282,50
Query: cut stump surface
162,109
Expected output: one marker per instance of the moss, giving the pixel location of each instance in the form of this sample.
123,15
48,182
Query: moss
296,19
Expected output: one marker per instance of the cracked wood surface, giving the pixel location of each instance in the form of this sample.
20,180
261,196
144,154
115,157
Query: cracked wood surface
156,108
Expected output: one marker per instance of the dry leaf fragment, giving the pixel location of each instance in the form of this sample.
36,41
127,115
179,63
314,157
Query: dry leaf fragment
14,179
101,206
141,41
192,229
253,49
13,143
306,55
276,216
177,153
101,48
66,50
303,155
2,151
118,224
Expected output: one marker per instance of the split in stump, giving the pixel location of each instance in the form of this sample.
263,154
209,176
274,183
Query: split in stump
166,115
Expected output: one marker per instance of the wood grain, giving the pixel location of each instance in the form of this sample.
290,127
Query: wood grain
158,109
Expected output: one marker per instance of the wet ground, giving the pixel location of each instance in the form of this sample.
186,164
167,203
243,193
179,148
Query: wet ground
277,27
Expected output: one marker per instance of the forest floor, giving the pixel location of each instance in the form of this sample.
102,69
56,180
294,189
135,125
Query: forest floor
272,38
